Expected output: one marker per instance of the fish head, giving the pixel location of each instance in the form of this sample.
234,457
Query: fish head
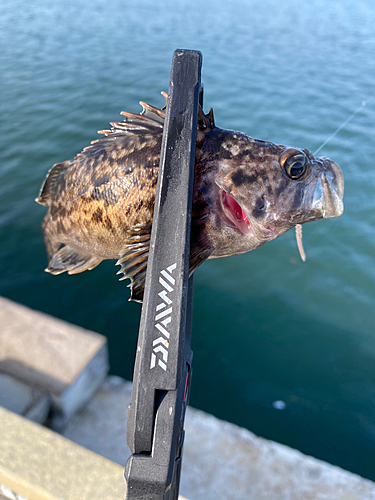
267,189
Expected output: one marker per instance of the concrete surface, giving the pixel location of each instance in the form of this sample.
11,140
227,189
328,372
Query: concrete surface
221,461
43,355
23,399
41,465
38,464
7,494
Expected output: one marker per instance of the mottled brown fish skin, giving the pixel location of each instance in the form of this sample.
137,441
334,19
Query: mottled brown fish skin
246,192
106,190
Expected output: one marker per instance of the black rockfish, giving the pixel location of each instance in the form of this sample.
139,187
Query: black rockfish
246,192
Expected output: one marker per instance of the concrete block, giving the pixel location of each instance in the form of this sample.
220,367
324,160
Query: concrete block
101,425
81,390
51,356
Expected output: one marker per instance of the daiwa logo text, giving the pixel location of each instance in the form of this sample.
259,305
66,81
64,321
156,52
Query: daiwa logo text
162,319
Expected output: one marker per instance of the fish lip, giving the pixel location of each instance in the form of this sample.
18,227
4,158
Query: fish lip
233,214
329,191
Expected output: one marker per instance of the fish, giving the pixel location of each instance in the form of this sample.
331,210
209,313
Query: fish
246,192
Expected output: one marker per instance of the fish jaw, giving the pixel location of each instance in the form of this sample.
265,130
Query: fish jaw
320,197
329,191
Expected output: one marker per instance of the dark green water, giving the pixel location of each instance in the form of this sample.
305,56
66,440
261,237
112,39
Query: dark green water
266,326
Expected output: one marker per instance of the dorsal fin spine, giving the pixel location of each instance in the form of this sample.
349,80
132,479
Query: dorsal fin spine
151,120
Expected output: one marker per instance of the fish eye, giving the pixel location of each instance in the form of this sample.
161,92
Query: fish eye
295,166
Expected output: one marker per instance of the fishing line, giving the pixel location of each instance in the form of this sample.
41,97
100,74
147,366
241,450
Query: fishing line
344,124
298,227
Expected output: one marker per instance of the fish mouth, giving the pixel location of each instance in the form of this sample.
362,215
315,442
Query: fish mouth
235,216
329,191
233,213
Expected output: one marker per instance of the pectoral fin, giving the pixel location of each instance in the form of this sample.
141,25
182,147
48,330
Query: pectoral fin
133,261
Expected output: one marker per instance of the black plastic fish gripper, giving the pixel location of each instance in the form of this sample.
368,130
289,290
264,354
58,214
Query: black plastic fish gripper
162,373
